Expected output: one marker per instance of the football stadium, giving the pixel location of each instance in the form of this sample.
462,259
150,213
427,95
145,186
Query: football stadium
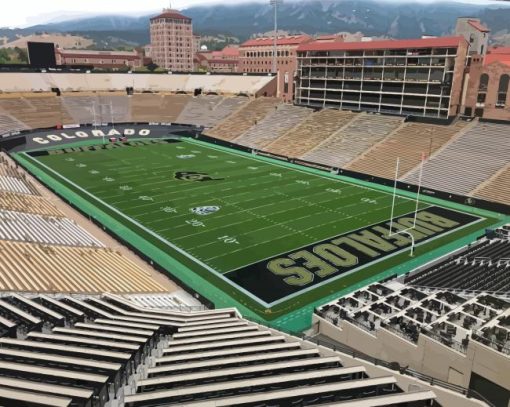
197,240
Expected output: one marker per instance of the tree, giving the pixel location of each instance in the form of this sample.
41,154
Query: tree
152,67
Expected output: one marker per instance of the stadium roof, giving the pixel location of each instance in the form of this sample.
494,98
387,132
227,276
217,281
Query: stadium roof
440,42
289,40
167,13
478,26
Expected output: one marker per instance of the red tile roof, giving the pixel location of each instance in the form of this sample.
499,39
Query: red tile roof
171,14
478,26
290,40
439,42
231,51
498,50
502,58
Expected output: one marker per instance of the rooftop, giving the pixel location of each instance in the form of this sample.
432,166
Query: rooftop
478,26
169,13
439,42
94,53
288,40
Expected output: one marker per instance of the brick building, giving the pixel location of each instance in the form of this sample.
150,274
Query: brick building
256,56
487,93
420,77
99,59
225,61
173,45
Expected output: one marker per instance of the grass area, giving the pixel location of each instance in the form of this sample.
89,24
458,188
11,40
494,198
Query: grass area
247,231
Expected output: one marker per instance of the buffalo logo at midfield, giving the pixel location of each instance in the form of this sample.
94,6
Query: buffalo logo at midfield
194,176
205,210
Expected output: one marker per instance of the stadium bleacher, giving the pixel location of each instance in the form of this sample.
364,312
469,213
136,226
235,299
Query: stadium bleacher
242,119
43,229
408,143
50,268
200,111
480,267
108,351
274,125
315,129
97,108
27,203
496,188
352,140
12,180
9,124
158,108
37,110
468,160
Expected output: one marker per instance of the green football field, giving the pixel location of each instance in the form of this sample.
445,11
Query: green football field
271,236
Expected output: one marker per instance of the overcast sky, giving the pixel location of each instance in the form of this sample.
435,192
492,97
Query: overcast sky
23,13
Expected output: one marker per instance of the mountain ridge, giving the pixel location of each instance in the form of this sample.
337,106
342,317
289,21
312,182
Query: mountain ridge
373,18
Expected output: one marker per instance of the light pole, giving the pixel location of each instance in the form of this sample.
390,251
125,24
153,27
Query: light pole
275,3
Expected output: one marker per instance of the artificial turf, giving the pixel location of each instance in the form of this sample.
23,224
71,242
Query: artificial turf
220,212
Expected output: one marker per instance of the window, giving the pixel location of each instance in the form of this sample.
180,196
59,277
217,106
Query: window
484,83
502,91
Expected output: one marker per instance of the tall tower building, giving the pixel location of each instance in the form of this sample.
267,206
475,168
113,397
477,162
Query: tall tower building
172,41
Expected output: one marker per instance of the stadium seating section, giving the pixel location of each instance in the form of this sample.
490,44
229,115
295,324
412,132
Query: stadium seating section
313,130
496,188
468,160
484,266
407,143
241,120
108,351
157,108
352,140
274,125
42,250
361,142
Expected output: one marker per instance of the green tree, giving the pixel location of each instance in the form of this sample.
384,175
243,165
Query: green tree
152,66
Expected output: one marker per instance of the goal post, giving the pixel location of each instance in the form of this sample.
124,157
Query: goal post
416,208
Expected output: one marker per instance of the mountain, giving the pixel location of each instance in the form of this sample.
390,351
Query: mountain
399,19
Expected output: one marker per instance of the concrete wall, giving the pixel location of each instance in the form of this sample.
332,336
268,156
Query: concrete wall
427,356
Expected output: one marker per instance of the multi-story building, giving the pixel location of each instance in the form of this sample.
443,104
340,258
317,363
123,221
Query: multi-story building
487,93
226,60
420,77
256,56
172,41
100,59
